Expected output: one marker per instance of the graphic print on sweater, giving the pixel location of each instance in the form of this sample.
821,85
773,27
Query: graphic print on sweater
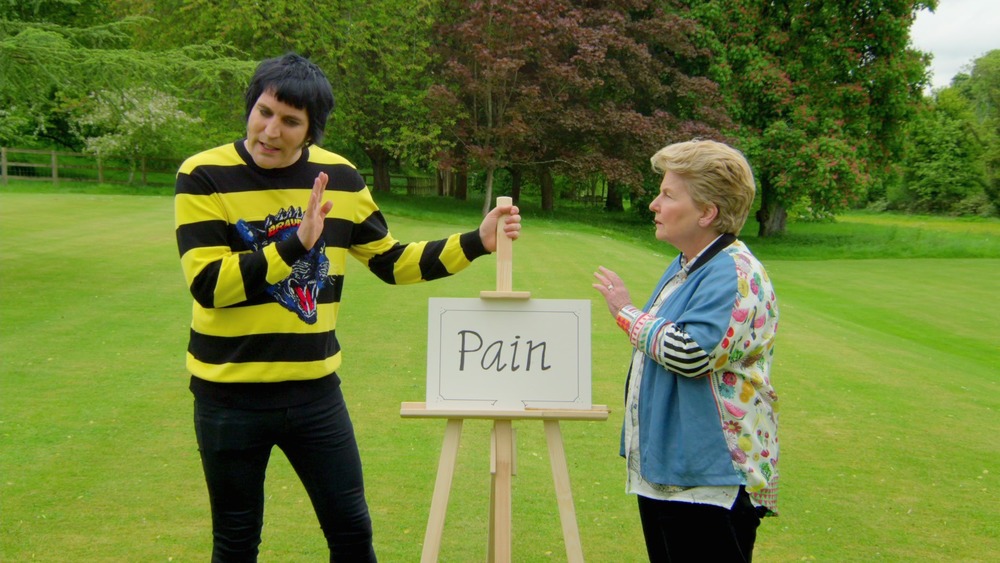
297,292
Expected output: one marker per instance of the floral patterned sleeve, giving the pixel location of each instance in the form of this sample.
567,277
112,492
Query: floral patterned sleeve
664,342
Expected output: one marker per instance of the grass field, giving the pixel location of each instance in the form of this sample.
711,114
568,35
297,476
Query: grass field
887,366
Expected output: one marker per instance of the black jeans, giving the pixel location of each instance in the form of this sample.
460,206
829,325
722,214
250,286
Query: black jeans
318,440
682,531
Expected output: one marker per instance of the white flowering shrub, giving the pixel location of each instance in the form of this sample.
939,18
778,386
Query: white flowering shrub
135,123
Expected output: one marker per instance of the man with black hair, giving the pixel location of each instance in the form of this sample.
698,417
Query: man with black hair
264,227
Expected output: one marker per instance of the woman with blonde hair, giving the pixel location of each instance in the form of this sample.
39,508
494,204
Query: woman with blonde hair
700,428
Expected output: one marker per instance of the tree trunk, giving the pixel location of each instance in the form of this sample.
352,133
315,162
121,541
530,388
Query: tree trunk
444,178
614,200
380,168
772,215
548,189
516,176
461,186
488,197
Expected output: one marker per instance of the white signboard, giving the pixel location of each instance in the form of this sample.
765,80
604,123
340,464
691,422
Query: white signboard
504,354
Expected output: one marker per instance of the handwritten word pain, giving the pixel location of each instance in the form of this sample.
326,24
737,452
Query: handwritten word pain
500,355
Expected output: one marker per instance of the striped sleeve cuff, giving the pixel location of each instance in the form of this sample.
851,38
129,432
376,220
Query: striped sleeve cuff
663,341
472,245
631,319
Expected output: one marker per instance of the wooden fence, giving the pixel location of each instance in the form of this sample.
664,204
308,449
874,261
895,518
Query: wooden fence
61,166
58,166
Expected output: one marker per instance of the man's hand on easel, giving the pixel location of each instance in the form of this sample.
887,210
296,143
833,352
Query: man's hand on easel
511,217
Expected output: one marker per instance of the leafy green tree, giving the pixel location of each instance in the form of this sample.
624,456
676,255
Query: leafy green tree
52,61
249,31
820,91
944,161
952,163
72,13
374,53
983,89
259,30
38,62
383,52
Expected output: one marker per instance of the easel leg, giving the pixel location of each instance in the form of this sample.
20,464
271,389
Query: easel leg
501,518
564,495
442,490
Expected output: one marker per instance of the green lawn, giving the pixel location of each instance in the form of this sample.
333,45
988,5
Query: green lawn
887,366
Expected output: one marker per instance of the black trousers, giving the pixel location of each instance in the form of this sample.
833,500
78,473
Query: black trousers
678,532
318,439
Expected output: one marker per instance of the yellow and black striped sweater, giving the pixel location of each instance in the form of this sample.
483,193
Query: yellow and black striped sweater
264,319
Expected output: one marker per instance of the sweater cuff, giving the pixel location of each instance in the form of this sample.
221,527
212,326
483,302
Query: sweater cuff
290,249
627,317
472,245
632,320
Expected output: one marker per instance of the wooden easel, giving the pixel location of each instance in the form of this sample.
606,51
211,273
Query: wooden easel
502,466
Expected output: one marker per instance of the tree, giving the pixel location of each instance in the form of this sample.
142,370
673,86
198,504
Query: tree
51,60
943,164
952,162
70,13
134,124
983,90
374,53
246,29
255,29
820,92
575,88
650,86
481,95
383,54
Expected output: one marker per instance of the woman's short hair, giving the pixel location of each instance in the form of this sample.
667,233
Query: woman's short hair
295,81
715,173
